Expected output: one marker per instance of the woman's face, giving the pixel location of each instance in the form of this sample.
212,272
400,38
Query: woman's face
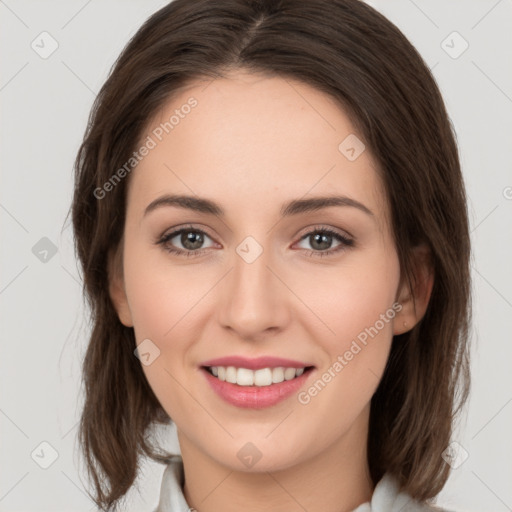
262,278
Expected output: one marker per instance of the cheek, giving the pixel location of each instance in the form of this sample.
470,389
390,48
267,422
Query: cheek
165,301
162,301
350,299
356,307
161,295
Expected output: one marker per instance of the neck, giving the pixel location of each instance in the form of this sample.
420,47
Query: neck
334,480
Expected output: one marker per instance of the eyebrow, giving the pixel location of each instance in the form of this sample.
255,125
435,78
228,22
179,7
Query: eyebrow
294,207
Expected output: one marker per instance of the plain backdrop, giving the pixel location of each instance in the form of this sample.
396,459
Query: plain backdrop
45,102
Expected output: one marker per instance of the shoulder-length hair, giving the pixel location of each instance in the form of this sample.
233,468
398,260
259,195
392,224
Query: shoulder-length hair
351,52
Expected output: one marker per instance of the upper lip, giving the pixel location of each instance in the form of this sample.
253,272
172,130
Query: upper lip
255,364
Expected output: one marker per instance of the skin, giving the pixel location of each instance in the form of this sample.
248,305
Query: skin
252,143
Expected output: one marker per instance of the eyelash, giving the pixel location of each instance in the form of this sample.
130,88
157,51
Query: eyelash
345,242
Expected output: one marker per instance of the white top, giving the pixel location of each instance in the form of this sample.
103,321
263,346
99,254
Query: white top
386,497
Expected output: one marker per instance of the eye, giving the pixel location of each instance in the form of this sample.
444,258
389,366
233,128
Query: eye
321,237
190,238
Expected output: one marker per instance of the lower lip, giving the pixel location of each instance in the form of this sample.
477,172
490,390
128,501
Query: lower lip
256,397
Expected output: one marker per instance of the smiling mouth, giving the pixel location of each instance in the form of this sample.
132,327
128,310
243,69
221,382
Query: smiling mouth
259,378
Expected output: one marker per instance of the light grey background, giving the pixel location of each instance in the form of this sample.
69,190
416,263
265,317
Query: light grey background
45,104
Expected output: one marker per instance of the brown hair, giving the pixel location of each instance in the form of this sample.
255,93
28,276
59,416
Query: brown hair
353,53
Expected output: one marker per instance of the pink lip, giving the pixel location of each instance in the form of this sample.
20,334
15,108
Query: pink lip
256,397
255,364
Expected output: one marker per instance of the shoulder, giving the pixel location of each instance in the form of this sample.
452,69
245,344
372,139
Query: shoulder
171,489
387,498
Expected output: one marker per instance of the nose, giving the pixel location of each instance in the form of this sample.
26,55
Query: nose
254,298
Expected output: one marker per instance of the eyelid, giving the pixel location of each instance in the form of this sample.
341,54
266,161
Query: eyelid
345,241
344,238
186,227
173,232
324,227
302,233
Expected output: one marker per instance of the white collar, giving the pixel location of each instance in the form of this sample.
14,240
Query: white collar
385,498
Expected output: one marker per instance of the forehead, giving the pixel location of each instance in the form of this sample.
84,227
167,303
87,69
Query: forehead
253,140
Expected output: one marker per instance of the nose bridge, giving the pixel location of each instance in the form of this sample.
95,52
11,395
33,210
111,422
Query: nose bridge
253,300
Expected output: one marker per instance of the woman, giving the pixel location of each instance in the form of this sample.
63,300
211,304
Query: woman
271,219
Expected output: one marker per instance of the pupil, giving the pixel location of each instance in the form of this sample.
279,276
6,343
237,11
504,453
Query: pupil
191,240
322,239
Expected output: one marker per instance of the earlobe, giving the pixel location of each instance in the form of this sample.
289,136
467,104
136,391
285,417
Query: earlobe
116,288
415,301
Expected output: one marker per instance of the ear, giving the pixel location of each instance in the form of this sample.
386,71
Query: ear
415,301
116,286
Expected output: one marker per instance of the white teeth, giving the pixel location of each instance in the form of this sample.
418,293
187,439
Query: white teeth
289,373
262,377
244,377
278,375
231,374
